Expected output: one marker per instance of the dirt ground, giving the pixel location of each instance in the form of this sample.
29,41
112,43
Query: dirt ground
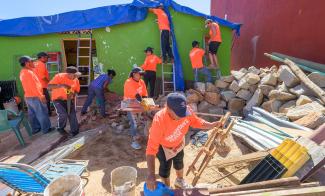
110,150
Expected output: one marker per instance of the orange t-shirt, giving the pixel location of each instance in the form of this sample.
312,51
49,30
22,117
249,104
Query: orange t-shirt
31,85
150,63
41,72
163,22
132,87
168,132
196,56
217,37
61,93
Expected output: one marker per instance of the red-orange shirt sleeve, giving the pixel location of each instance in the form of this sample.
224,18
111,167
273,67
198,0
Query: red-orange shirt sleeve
155,135
196,122
76,86
158,60
56,80
202,52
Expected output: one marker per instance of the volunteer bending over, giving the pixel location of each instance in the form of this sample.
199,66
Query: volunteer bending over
167,139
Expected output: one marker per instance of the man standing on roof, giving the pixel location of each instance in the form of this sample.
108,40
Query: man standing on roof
214,43
164,27
64,86
167,139
150,68
43,76
34,97
97,89
196,56
134,87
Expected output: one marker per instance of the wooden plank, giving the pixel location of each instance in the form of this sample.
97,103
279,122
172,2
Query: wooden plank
309,191
292,181
189,192
255,156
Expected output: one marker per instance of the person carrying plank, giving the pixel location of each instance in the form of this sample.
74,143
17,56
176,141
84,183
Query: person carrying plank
134,88
196,55
164,27
214,43
64,86
34,97
167,139
150,68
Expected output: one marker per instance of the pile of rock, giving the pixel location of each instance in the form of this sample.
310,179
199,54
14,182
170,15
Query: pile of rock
277,90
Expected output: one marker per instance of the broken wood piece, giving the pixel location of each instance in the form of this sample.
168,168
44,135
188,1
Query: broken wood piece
305,80
225,176
292,181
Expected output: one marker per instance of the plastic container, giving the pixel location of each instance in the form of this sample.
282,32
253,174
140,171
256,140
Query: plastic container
267,169
69,185
292,155
123,181
161,190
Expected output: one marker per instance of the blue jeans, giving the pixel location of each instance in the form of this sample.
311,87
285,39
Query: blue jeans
133,122
38,115
99,94
203,71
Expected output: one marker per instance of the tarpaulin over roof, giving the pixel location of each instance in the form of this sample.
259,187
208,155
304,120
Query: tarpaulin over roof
104,17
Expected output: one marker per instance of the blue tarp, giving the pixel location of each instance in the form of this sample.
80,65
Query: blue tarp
104,17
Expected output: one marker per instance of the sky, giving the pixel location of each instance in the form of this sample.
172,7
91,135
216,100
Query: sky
21,8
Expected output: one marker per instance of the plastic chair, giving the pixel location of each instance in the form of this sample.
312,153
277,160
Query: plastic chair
14,124
26,179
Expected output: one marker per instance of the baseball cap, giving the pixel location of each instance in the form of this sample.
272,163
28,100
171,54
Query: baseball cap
195,43
136,70
148,49
72,70
207,21
24,59
42,54
177,103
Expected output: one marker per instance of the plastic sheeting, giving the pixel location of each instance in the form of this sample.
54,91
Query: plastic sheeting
104,17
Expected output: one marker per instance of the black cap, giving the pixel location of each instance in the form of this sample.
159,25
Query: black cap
149,49
24,59
136,70
195,43
177,103
42,54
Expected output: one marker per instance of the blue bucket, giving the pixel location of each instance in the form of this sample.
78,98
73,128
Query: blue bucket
161,190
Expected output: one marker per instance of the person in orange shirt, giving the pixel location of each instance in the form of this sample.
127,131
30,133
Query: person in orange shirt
164,27
214,43
150,68
43,76
134,87
167,139
196,56
64,86
34,98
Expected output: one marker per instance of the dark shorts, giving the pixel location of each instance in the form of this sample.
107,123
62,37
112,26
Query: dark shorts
165,166
213,47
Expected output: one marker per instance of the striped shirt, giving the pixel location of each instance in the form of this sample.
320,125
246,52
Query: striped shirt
100,80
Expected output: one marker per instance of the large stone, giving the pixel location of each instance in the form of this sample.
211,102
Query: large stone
216,110
318,79
274,68
222,104
287,76
303,100
266,89
252,78
252,88
212,98
234,86
301,89
221,84
244,94
282,88
272,105
303,110
227,95
312,120
228,79
204,107
286,106
256,100
194,96
253,70
243,83
269,79
238,74
281,96
209,87
236,104
200,86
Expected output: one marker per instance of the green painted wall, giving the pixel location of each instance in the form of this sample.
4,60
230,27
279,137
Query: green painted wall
119,48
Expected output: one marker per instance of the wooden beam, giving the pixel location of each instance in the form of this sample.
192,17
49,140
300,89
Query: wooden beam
292,181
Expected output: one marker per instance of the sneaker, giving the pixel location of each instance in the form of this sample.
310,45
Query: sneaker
180,183
135,145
